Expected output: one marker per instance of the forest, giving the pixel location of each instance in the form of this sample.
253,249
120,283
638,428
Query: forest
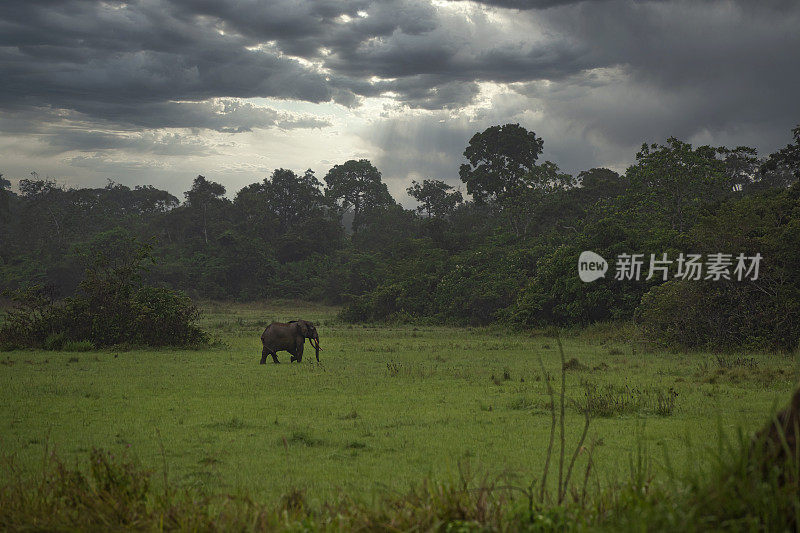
504,250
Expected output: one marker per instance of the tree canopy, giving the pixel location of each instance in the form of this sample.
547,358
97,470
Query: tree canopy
507,253
498,160
436,198
357,185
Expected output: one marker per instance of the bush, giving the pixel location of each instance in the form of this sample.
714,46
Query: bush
555,295
36,321
112,307
480,283
470,287
55,341
164,317
78,346
719,316
404,290
726,315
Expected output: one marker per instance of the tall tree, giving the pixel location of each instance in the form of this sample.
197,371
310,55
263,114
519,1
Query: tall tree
600,183
293,198
5,198
206,201
499,159
5,216
436,198
741,166
357,185
289,214
533,199
672,181
783,167
44,208
548,178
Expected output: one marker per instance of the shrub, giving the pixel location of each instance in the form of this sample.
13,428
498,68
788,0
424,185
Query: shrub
470,287
36,321
78,346
613,400
762,313
481,283
555,295
112,307
54,341
165,317
719,316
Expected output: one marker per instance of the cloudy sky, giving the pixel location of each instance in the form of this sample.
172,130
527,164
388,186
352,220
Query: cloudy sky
158,91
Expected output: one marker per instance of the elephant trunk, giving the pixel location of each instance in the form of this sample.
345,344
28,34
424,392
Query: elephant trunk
316,347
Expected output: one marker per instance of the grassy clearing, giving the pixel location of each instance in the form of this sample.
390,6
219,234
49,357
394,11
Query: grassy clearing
388,406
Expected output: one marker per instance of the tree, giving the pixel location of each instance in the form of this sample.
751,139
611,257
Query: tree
499,159
289,214
435,197
783,167
357,185
5,197
672,181
741,166
761,312
206,201
43,211
112,306
292,198
601,183
548,178
534,198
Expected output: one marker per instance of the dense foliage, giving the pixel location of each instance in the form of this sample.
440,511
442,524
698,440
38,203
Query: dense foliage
508,254
112,305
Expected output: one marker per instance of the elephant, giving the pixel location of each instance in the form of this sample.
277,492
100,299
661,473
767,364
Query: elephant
288,337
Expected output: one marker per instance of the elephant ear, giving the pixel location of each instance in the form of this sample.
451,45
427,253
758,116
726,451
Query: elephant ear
303,326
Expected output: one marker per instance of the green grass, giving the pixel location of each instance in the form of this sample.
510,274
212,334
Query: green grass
387,407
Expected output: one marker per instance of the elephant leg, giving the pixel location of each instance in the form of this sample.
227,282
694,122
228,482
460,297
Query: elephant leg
297,353
264,353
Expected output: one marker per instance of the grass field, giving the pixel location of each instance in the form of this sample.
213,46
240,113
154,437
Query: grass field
387,407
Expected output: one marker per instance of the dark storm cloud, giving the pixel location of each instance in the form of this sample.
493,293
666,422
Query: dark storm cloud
606,73
435,94
136,128
172,144
224,115
685,69
528,4
611,75
106,58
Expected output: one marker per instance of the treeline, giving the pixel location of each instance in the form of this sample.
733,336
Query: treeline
508,254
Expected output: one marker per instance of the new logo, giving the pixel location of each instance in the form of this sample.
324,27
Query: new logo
591,266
